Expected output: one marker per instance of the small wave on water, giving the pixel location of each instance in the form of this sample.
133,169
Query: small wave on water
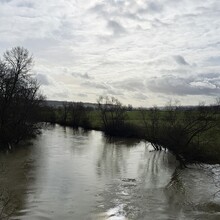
115,213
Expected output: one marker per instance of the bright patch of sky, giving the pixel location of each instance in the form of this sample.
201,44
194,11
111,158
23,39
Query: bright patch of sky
142,52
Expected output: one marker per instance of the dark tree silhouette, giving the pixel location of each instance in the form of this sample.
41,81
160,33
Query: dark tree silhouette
65,111
113,117
78,115
152,121
182,131
19,97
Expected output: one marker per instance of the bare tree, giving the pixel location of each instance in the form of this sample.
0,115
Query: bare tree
112,113
151,121
180,130
19,96
65,112
77,113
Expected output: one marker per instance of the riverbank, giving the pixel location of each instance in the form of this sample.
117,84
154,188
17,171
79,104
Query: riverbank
203,148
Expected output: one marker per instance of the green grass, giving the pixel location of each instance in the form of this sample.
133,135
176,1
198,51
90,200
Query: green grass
95,120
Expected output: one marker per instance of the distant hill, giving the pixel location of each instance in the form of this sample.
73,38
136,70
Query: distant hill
58,104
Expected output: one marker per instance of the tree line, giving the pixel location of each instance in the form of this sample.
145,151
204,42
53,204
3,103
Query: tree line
191,134
73,114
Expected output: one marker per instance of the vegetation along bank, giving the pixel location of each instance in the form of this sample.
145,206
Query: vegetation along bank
190,133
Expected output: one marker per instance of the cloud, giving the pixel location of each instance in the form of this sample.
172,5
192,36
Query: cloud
150,7
180,60
43,79
61,95
210,76
198,85
130,84
82,95
81,75
98,8
127,48
96,85
140,96
155,7
204,85
214,61
113,92
5,1
25,4
116,28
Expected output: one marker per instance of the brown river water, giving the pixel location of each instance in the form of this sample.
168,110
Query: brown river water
66,174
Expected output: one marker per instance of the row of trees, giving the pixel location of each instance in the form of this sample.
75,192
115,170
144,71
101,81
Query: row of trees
73,114
184,132
19,97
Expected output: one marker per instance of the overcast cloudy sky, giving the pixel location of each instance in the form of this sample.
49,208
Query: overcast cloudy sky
143,52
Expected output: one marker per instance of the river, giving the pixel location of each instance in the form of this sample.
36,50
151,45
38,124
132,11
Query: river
72,174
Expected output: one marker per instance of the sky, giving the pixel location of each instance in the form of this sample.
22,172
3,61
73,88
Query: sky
143,52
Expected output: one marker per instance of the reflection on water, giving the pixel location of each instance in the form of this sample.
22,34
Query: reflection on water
73,174
14,180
